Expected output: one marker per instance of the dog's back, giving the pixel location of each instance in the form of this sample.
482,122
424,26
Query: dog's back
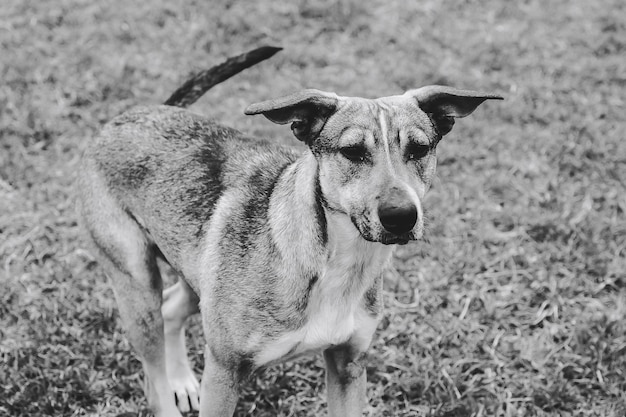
148,150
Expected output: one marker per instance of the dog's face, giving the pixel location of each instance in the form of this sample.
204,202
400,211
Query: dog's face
376,158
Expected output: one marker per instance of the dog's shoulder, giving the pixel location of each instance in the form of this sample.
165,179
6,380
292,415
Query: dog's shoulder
251,174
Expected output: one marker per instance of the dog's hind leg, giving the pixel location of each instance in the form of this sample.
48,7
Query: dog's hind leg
180,302
130,261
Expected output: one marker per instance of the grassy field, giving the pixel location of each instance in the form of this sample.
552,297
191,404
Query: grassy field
513,305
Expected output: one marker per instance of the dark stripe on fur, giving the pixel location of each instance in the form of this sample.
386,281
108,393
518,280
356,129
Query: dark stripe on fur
372,300
262,183
246,367
320,203
204,190
194,88
303,301
108,251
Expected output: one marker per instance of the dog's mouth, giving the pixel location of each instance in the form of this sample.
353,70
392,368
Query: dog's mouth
387,238
384,237
390,239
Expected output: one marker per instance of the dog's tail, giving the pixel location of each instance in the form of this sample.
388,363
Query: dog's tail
195,87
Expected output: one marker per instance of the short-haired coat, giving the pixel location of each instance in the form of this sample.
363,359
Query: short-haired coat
280,251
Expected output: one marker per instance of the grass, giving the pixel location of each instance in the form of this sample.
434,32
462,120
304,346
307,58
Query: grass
515,303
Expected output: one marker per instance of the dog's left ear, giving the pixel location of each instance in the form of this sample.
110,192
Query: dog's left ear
307,111
444,104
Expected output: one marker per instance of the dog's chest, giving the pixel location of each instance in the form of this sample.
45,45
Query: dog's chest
337,311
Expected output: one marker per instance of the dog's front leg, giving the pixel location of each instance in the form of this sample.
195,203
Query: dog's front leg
345,381
219,388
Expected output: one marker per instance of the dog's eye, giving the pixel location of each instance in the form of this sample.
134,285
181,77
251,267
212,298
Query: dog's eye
355,153
417,151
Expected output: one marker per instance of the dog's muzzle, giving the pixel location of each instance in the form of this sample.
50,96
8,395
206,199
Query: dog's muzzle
398,215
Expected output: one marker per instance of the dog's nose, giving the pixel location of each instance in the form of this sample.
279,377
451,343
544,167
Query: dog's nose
397,218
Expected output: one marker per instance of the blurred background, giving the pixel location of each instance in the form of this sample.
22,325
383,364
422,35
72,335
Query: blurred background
513,305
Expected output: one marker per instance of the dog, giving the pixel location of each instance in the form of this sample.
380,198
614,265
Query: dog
281,251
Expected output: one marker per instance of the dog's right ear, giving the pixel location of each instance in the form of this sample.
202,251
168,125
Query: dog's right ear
307,111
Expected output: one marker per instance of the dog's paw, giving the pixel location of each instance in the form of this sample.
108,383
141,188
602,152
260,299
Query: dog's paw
186,389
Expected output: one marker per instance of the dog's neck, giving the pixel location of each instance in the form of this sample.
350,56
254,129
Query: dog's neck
353,264
312,236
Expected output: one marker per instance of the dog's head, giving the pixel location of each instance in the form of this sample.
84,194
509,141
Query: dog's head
376,158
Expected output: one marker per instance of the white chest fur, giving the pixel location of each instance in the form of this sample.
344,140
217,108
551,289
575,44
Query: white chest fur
336,311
